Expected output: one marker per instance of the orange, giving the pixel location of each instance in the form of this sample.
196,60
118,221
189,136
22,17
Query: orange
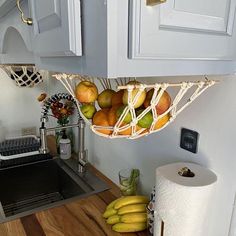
117,98
100,118
128,131
112,117
160,123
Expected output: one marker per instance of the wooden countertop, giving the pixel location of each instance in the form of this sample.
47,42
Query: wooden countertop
79,218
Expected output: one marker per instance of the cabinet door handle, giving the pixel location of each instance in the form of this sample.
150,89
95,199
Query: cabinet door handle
154,2
28,21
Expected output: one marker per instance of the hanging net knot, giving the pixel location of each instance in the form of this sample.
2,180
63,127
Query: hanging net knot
134,122
211,82
164,86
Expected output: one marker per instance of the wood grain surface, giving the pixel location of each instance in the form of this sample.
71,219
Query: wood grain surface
79,218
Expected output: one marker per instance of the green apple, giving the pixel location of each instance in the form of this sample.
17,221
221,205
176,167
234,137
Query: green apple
146,120
128,117
88,110
140,99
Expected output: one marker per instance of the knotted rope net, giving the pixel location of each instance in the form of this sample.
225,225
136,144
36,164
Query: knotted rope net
24,75
135,127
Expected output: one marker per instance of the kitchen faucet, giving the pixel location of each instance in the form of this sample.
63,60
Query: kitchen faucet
82,153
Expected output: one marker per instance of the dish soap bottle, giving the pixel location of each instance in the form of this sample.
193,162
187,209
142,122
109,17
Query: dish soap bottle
65,147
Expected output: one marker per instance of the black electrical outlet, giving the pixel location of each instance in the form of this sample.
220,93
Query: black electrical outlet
189,140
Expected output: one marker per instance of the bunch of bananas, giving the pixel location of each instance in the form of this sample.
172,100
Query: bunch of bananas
127,214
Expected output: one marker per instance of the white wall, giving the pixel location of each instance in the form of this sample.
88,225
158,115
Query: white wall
19,107
213,116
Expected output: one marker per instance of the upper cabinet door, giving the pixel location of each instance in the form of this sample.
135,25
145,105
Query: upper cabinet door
6,6
183,29
56,28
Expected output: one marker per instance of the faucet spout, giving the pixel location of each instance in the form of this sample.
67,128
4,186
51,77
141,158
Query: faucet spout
43,139
82,153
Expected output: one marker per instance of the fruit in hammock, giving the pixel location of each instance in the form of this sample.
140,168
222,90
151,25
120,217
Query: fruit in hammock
112,117
126,228
86,92
117,98
140,99
128,131
105,98
162,121
88,110
100,118
163,104
128,118
146,120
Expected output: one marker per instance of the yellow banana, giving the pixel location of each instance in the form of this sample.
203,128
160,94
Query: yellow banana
130,200
126,228
113,220
109,212
134,218
111,205
132,209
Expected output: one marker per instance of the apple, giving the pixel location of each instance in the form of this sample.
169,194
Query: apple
105,98
117,98
163,104
141,98
146,120
128,117
86,92
88,110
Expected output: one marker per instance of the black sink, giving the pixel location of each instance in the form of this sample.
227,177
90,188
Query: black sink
29,188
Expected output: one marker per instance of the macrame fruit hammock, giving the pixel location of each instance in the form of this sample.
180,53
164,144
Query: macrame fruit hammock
24,75
140,114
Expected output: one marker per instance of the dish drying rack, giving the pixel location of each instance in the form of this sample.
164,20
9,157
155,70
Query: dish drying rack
20,150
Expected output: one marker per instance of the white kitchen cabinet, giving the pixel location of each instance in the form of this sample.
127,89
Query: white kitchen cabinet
6,6
15,37
56,30
128,38
183,29
123,38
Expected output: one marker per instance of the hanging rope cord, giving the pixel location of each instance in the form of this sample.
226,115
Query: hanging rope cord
159,88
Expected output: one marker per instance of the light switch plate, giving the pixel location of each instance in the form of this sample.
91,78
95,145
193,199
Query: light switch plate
189,140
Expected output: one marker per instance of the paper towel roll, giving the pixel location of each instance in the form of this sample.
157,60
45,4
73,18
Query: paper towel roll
181,202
